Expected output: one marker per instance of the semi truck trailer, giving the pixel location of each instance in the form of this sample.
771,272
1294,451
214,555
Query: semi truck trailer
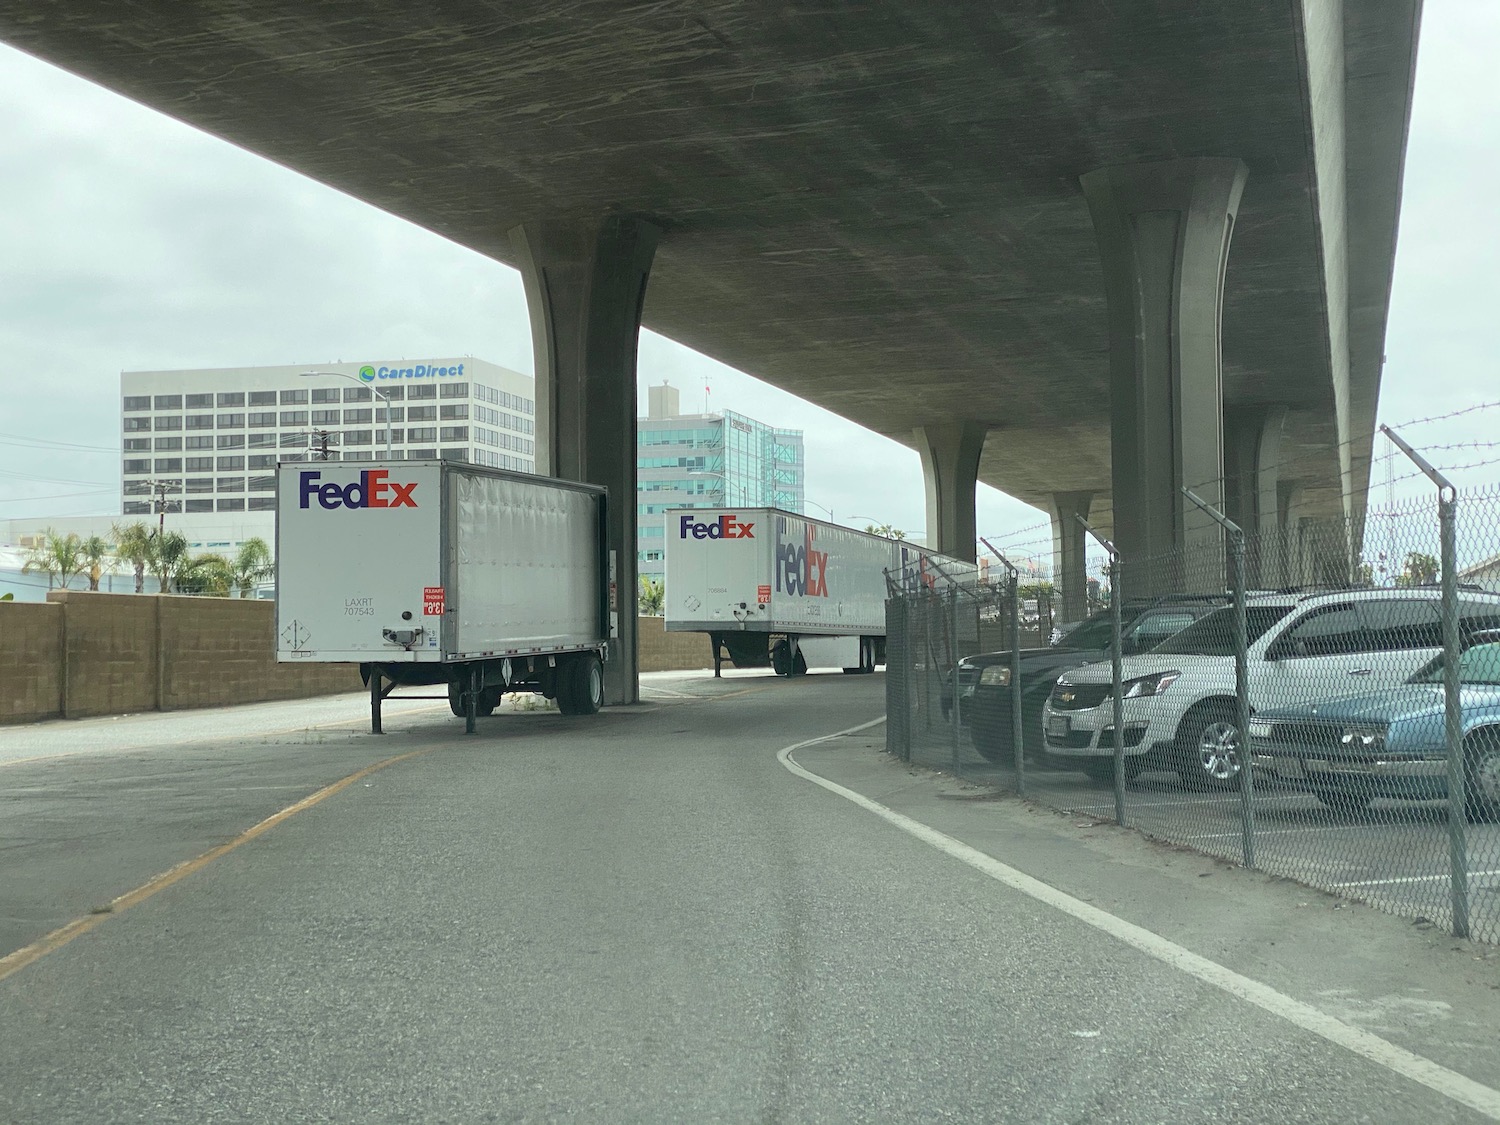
446,575
773,588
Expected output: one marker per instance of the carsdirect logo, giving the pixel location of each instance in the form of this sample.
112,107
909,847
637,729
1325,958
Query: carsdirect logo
367,374
726,526
371,490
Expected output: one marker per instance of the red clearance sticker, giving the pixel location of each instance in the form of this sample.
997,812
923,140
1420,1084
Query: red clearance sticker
763,595
432,601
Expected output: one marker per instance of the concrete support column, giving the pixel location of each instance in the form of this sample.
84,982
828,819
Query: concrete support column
950,469
1069,574
1252,472
1164,231
585,288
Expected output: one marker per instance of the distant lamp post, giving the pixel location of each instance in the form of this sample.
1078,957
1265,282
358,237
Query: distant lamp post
360,382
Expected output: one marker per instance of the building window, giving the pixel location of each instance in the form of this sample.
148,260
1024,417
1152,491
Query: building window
325,394
198,441
454,390
138,488
168,465
231,464
137,425
325,417
424,390
355,416
293,398
398,414
200,484
169,402
421,433
294,417
198,402
394,394
421,454
298,456
137,507
231,421
200,505
459,454
168,444
262,441
232,398
137,444
200,464
231,441
231,484
356,394
235,505
262,484
293,441
262,418
173,423
421,414
263,461
262,503
460,410
200,421
357,437
454,433
262,398
137,402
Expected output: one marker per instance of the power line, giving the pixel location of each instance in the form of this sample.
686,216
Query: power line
8,439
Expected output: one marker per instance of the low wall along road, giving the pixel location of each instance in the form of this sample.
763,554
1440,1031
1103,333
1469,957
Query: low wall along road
81,654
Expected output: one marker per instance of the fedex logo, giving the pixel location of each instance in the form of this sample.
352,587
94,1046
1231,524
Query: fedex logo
725,527
372,490
801,569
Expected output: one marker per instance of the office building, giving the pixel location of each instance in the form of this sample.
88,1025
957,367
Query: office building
707,461
209,440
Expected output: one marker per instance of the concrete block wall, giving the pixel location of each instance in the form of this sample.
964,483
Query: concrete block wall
30,661
660,651
110,661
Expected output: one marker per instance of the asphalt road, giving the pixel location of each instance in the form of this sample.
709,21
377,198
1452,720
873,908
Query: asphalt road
637,917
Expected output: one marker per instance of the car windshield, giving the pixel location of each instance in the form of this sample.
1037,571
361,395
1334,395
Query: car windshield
1479,664
1214,635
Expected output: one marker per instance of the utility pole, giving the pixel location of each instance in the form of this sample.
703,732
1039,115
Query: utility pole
159,489
320,437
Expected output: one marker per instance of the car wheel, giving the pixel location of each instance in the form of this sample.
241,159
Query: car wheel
988,742
1341,800
1482,776
1208,743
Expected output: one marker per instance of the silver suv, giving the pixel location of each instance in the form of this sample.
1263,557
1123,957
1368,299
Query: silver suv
1179,712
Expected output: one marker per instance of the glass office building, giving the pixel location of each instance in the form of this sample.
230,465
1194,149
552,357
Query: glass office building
708,461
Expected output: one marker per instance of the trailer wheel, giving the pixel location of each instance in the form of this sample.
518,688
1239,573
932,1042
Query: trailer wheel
456,700
580,686
781,658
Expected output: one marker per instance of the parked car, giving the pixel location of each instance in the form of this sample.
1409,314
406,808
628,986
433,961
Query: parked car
1349,750
1179,712
984,680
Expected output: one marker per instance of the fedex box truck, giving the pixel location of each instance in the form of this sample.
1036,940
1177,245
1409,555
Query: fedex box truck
444,574
779,589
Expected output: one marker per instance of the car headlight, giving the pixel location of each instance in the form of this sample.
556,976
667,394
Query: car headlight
1362,738
1149,685
1260,728
995,675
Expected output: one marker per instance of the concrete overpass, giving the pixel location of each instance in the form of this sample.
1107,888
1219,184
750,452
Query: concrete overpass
1019,241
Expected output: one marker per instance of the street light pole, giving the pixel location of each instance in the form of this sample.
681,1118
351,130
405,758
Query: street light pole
374,390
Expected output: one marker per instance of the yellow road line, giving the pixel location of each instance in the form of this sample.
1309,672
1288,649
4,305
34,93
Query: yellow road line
15,962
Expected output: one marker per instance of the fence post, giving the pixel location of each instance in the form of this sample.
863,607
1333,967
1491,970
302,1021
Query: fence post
1016,736
1117,697
1458,840
953,668
1241,673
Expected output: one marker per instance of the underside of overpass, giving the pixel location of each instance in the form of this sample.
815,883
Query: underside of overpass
877,206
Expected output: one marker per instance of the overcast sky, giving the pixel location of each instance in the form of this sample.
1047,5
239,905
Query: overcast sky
129,241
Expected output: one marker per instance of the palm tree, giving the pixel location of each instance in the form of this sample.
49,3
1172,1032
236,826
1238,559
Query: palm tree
168,558
133,543
96,558
57,556
208,575
252,564
653,597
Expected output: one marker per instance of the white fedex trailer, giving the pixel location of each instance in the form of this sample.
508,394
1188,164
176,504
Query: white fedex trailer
444,573
775,588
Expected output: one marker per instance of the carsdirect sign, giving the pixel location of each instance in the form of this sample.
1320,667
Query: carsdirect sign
369,373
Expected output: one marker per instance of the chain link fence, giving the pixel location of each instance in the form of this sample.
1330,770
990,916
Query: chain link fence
1362,659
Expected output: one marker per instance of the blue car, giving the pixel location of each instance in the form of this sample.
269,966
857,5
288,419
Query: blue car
1349,750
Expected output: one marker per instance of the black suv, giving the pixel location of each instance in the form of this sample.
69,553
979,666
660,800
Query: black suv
984,680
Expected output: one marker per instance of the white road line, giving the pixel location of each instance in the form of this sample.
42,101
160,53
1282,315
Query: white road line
1409,879
1449,1083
